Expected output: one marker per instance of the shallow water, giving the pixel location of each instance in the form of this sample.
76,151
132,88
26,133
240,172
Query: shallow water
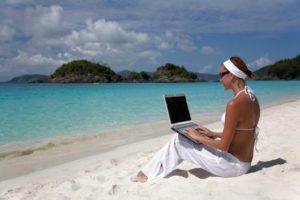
38,111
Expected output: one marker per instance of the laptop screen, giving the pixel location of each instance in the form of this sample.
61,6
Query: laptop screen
177,108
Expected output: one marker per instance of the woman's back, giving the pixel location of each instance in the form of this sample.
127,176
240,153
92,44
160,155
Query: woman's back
248,114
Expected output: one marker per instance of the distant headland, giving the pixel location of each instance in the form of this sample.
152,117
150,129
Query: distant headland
84,71
286,69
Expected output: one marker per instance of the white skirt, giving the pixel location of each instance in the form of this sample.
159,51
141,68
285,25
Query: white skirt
180,148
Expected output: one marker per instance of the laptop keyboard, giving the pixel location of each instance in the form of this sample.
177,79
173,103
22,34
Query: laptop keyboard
181,130
183,127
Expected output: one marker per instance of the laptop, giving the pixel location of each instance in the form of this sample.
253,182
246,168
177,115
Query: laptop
179,115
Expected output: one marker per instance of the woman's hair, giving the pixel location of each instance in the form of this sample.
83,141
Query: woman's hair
239,63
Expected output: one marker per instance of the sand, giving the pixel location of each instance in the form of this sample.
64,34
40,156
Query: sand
275,171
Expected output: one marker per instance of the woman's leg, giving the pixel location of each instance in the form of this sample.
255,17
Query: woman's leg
181,148
164,161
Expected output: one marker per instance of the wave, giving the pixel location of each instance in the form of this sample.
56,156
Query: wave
26,151
103,139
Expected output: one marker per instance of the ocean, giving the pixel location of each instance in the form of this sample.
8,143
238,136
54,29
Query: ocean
37,111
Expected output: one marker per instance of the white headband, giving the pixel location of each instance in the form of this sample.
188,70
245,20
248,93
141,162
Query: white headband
234,70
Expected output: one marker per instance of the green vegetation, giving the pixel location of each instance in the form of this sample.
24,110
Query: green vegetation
138,77
173,73
84,71
286,69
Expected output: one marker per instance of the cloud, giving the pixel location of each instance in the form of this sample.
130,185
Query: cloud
260,62
109,42
99,40
6,33
171,40
106,32
42,21
208,50
34,60
131,33
25,63
30,28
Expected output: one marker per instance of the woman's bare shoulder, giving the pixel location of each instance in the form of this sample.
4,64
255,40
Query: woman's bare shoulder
236,104
231,106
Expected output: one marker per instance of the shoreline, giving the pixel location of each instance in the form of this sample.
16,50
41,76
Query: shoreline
34,155
106,175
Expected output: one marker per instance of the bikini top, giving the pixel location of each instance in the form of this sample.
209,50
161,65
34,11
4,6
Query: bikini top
247,90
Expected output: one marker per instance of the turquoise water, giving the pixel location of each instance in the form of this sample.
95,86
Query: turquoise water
30,111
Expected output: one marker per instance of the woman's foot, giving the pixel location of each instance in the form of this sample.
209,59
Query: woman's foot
140,177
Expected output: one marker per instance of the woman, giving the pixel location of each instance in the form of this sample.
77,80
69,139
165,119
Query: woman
226,154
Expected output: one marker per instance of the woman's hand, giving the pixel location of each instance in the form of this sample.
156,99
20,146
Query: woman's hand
195,134
201,129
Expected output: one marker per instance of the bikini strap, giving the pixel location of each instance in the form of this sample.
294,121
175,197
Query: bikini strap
250,93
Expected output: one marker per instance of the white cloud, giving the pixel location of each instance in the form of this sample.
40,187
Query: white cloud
100,41
108,41
131,33
260,62
106,32
208,50
33,60
25,63
171,40
41,20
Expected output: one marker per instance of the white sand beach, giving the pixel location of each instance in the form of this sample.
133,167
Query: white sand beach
275,171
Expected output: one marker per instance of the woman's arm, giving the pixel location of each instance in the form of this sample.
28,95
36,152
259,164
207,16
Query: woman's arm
212,134
216,135
227,134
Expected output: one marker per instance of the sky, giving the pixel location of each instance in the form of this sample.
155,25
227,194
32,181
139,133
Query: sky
38,36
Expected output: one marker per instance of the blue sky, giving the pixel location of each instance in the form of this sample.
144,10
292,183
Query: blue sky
38,36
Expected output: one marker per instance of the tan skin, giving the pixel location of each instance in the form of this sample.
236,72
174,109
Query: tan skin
239,114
